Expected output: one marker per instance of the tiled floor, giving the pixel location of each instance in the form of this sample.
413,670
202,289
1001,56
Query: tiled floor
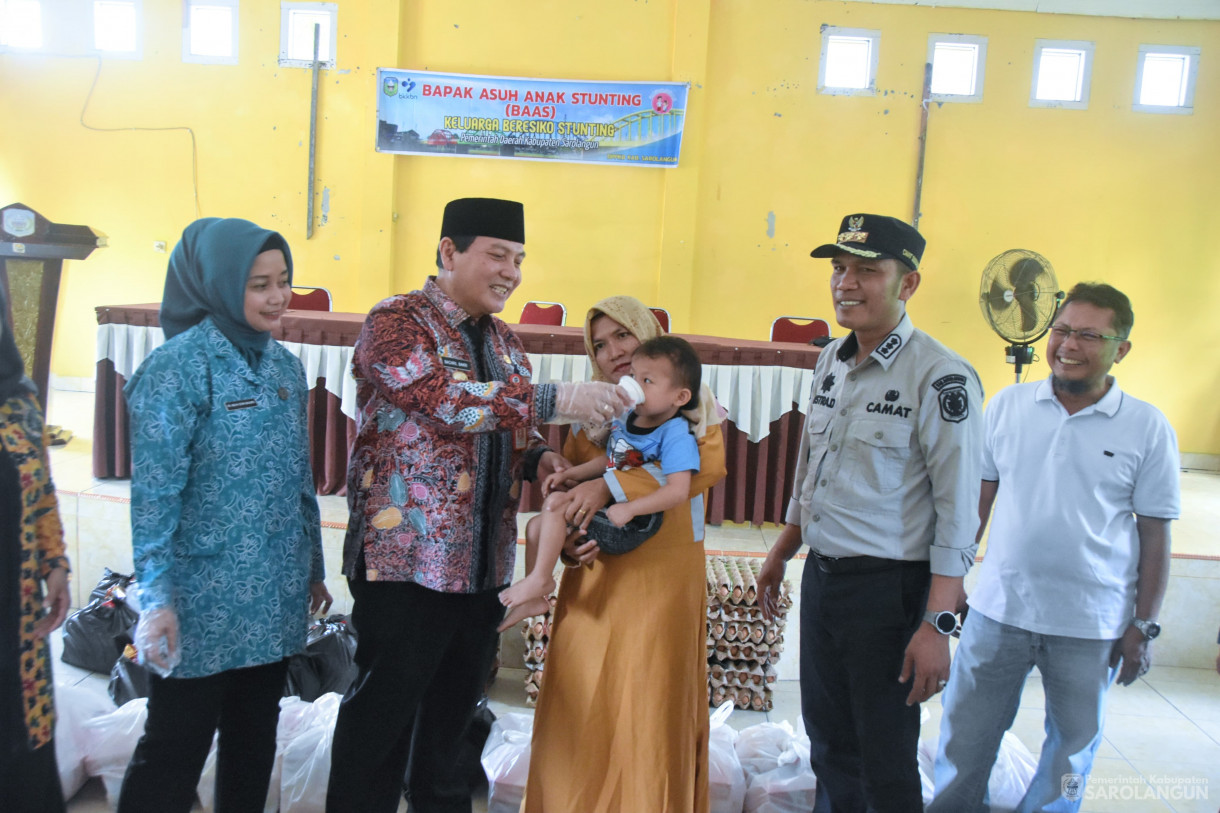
1162,737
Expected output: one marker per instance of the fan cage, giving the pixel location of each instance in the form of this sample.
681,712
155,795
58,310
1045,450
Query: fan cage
1019,295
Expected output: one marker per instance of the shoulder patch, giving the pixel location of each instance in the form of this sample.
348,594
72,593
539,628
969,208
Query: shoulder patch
947,380
954,403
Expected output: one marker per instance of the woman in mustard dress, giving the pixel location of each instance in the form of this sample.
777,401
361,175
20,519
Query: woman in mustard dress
622,718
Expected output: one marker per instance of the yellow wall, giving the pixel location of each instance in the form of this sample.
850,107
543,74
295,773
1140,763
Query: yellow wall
1105,193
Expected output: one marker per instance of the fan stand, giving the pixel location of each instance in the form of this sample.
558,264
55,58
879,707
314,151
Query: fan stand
1019,354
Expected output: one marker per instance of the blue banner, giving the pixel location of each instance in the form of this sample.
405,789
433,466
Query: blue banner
426,113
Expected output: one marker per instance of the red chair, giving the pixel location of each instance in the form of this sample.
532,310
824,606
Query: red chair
309,299
538,312
662,317
799,329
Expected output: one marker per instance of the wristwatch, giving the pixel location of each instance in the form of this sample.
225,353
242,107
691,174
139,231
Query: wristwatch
1149,629
944,621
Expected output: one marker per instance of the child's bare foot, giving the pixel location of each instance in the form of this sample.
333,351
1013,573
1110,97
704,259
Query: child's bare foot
532,586
517,612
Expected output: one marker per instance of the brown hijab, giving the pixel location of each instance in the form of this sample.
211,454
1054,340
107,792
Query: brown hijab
634,315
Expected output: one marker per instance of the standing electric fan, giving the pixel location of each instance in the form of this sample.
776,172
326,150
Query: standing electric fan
1019,296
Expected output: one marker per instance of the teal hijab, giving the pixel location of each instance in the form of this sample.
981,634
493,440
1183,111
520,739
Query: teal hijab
207,277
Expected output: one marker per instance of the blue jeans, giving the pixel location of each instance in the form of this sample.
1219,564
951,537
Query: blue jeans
981,702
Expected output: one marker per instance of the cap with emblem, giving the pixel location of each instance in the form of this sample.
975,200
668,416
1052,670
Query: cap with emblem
484,217
878,237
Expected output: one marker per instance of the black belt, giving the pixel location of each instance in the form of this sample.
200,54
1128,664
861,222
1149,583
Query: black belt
853,564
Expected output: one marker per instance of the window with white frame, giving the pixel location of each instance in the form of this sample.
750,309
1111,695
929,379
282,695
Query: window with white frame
1063,71
958,61
1165,79
848,66
116,27
20,23
209,32
297,21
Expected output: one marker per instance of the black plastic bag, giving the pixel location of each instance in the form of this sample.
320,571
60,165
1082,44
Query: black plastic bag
327,664
468,765
128,679
95,635
469,759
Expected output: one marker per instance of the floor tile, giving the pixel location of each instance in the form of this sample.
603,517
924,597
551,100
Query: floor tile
1187,789
1211,728
785,702
1139,700
1115,786
1149,739
1197,701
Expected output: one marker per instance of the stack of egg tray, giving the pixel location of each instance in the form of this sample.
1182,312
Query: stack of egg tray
537,632
742,648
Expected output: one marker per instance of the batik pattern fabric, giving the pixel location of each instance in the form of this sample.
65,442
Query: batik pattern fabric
435,473
41,538
224,516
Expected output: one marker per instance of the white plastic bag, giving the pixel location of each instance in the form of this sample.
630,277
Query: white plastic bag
111,740
1010,776
74,705
294,714
759,746
506,761
790,788
305,771
726,779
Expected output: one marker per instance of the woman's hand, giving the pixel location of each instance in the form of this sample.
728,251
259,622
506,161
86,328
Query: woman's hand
579,551
549,465
55,603
555,482
157,638
319,599
584,500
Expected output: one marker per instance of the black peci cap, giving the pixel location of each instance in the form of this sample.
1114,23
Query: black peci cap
484,217
876,236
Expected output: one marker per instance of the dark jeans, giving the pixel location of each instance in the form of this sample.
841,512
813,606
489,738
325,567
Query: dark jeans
424,658
854,631
183,714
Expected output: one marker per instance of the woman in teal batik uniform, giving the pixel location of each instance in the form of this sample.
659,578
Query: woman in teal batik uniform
224,519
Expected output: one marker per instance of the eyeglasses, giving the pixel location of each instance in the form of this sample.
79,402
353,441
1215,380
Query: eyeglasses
1086,336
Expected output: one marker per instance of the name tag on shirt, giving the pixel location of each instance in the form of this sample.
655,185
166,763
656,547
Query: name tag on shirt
455,364
245,403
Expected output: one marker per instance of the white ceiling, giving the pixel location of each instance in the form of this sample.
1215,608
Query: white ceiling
1153,9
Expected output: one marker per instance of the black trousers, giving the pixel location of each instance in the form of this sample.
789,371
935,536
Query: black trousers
183,714
29,781
424,658
854,631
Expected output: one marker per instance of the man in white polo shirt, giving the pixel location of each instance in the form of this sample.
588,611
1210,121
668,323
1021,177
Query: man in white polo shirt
1084,479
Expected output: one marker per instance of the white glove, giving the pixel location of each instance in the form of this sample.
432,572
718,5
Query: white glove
592,403
156,640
